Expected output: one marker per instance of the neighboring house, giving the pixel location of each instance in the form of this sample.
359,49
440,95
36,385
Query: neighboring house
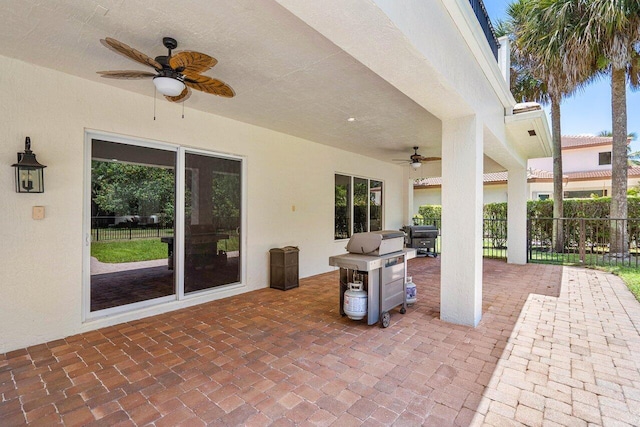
586,163
327,95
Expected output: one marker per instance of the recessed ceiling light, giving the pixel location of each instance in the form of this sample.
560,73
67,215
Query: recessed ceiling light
351,119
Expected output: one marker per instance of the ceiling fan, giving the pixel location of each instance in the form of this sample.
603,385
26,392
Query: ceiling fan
174,74
415,160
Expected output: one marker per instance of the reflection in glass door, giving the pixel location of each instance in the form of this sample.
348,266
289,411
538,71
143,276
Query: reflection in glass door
375,205
132,224
212,221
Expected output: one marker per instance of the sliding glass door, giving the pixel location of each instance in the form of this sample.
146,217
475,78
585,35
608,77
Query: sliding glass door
132,224
164,223
212,221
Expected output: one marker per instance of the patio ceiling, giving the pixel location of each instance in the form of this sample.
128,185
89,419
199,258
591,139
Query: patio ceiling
287,77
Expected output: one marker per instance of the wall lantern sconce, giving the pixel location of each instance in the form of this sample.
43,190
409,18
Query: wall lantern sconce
29,173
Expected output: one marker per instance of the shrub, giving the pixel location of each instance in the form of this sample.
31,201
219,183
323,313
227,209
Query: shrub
595,208
430,211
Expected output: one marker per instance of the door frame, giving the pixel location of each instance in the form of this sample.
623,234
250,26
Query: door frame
178,299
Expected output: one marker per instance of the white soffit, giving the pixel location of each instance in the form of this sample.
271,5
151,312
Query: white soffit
519,127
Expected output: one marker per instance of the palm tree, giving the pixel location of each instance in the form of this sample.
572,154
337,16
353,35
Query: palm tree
604,36
631,135
538,46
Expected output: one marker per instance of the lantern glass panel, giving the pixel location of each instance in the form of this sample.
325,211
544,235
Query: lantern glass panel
29,180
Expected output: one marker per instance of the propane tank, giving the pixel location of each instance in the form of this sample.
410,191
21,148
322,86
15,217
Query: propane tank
412,291
355,301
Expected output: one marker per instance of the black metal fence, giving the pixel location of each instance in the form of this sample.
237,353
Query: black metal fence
588,241
128,228
585,241
494,236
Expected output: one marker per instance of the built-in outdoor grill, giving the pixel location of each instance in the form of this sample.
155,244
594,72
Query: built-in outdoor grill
378,260
422,238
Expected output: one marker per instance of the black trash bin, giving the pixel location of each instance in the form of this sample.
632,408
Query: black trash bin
284,267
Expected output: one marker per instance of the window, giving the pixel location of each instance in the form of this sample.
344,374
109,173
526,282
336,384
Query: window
342,207
585,194
358,205
375,205
604,158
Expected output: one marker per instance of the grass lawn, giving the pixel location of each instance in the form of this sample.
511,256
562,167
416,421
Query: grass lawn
129,250
117,251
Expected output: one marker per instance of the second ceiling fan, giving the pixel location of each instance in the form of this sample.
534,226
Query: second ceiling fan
415,160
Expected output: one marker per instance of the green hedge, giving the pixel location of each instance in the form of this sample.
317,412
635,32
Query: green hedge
596,232
573,208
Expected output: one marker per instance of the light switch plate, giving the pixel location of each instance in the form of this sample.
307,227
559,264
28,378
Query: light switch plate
37,212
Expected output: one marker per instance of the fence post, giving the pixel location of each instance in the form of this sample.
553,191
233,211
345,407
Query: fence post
97,233
529,253
129,231
581,243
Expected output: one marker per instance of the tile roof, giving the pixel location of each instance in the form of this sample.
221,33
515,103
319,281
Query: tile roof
533,175
577,141
633,171
487,178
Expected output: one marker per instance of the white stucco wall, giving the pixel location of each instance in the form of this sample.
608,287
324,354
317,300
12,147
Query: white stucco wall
426,196
433,196
543,163
495,193
574,160
41,261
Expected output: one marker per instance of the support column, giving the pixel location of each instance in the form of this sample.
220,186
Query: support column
504,58
461,265
517,216
408,217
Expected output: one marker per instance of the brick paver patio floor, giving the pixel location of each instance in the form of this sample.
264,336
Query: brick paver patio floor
556,346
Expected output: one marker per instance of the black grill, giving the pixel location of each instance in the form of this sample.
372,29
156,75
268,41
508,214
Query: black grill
422,238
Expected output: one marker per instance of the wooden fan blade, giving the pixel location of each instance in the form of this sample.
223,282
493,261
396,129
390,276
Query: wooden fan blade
186,93
192,62
126,74
130,52
429,159
208,85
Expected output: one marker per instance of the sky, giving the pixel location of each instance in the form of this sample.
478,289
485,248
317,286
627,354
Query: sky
589,111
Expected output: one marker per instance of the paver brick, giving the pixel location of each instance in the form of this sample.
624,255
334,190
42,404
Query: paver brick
560,340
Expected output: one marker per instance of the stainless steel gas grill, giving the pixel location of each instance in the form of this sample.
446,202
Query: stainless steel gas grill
380,262
422,238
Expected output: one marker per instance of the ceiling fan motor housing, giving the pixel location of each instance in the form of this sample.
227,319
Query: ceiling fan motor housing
169,42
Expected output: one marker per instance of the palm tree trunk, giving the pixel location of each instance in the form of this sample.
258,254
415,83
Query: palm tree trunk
619,236
558,193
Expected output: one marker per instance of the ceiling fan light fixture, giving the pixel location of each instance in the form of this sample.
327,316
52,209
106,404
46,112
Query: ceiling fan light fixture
168,86
416,165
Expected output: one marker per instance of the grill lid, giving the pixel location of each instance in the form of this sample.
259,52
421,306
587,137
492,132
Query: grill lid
389,234
366,243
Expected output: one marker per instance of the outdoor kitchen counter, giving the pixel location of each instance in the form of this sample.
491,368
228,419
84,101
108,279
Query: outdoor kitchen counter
366,262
